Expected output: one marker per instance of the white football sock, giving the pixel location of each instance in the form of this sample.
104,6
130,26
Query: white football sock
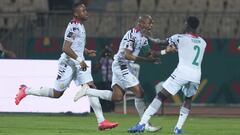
97,108
182,117
140,106
103,94
42,91
151,110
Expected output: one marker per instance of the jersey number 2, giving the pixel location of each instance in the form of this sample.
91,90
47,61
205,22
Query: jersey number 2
197,48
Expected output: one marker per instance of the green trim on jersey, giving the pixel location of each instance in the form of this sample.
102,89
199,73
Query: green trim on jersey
146,49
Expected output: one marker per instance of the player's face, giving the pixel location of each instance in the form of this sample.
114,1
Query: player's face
81,12
148,24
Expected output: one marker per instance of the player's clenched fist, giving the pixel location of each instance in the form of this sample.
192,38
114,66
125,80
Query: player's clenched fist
83,66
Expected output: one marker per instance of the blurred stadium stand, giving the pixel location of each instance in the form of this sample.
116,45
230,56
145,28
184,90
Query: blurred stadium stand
23,22
111,18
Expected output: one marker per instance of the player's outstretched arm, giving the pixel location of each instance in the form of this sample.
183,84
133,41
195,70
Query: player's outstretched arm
162,42
130,56
168,49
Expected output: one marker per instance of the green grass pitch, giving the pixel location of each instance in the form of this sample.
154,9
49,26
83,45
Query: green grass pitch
60,124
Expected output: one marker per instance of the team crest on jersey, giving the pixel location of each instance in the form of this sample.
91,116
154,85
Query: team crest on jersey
74,28
71,35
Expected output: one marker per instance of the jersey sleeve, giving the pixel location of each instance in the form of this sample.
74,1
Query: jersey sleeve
70,33
129,40
174,40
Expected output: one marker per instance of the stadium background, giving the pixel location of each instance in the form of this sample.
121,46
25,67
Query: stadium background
34,29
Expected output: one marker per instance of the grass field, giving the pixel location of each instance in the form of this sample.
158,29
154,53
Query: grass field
60,124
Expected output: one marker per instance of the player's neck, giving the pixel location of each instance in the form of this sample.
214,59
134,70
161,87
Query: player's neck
77,20
137,28
193,34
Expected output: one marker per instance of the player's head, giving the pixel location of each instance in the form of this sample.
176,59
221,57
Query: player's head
191,23
80,11
145,22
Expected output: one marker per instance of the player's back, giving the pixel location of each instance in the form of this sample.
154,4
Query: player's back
190,52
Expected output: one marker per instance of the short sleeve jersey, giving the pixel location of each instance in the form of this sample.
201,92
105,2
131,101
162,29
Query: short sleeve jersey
132,40
191,49
76,34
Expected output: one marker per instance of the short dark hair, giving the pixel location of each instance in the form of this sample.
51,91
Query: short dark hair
143,17
193,22
76,5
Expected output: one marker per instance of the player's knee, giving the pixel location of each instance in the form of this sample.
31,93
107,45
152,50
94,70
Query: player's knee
57,94
92,86
117,98
188,98
161,96
187,102
118,93
139,94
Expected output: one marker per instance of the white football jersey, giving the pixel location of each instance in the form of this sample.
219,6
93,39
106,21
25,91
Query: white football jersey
132,40
190,53
76,34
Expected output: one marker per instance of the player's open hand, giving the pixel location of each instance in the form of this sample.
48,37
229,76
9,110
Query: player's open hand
83,66
171,48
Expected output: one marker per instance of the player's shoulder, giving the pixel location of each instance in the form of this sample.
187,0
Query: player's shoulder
200,37
202,40
134,31
130,34
73,27
74,21
177,36
71,24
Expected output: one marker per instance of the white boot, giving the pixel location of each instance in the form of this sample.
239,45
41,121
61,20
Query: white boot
151,128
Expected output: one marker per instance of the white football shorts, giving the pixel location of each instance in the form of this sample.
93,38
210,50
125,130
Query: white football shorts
68,71
174,83
122,76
